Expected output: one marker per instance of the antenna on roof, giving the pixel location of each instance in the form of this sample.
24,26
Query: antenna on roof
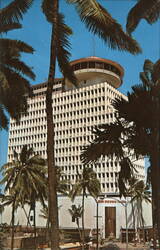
93,45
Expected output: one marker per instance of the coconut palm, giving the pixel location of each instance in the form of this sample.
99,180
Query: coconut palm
148,10
14,85
99,22
25,177
76,213
25,174
87,184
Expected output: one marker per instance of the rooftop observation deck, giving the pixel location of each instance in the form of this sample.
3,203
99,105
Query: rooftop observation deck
94,68
89,71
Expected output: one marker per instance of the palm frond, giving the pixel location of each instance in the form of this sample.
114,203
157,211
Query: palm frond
37,160
76,211
149,10
88,183
149,176
101,23
76,190
107,143
48,10
20,66
6,43
8,27
44,213
25,180
156,72
20,103
14,11
63,55
148,66
144,79
94,188
3,118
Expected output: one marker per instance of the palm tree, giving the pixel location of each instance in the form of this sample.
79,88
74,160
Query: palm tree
14,85
99,22
87,184
11,199
76,213
137,131
25,177
26,174
145,140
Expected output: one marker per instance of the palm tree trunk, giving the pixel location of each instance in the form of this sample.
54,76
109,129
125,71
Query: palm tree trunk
155,203
12,232
156,169
155,175
80,236
97,225
142,220
83,230
28,220
134,222
47,234
34,211
138,221
53,207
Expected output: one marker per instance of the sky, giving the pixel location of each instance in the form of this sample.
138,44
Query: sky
36,32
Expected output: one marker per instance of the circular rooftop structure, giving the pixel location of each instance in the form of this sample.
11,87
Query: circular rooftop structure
92,70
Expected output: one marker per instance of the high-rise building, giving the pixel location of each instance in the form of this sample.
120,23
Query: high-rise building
76,110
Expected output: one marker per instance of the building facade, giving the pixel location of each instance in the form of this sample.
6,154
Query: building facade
76,110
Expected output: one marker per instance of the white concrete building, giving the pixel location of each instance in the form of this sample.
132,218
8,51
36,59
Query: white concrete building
76,112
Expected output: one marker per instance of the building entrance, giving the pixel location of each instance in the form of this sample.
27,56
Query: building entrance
110,222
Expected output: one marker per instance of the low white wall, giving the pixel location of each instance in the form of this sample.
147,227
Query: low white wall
65,219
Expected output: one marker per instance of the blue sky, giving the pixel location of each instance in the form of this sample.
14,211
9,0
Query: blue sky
36,32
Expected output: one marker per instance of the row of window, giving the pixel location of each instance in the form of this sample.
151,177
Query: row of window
88,93
78,105
70,114
96,65
79,94
65,115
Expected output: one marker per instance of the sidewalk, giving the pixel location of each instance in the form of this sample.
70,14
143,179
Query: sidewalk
122,246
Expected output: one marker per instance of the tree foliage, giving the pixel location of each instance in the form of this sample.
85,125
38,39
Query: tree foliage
25,176
148,10
14,73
